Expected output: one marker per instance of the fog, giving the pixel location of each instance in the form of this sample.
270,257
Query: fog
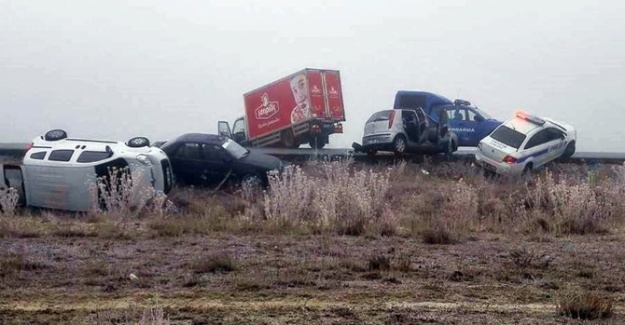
117,69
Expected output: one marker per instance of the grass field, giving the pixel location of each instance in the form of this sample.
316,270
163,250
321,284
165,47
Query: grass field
333,243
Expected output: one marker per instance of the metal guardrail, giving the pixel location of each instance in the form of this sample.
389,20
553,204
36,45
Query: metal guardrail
16,151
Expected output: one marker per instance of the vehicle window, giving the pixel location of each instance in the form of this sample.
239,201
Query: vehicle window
484,114
61,155
212,153
188,151
456,114
38,155
380,116
92,156
508,136
239,126
470,115
411,101
537,139
554,134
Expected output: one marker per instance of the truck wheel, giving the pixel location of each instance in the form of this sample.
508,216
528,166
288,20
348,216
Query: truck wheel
399,144
317,142
288,139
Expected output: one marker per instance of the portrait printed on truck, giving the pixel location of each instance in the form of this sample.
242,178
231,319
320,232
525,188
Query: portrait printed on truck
299,87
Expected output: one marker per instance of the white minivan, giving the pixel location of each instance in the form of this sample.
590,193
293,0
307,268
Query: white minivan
58,172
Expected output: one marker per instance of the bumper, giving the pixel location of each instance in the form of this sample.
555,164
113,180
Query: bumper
378,142
498,167
326,128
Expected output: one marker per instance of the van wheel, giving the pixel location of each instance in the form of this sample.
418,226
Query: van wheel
399,144
449,150
55,135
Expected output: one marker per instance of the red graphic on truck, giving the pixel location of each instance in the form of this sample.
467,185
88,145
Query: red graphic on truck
267,109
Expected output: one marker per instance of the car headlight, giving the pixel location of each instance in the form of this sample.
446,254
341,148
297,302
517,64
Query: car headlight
144,160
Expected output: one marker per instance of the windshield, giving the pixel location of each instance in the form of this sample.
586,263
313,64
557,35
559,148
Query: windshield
236,150
380,116
508,136
484,114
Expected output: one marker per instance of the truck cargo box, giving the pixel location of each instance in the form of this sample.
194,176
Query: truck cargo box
307,95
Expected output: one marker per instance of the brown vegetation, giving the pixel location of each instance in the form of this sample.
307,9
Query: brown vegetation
330,242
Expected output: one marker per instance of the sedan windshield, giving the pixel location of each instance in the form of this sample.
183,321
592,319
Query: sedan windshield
508,136
236,150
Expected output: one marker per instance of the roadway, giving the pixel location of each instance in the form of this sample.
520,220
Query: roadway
16,150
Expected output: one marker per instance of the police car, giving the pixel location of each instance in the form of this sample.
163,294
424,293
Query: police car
58,172
524,143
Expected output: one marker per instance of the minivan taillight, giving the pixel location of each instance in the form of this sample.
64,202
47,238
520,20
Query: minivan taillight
509,160
391,118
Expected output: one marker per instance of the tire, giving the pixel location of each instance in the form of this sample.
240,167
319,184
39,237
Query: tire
317,142
138,142
371,152
449,149
527,170
569,151
55,135
251,182
287,139
399,144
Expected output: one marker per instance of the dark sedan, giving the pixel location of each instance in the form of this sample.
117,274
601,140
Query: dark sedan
208,159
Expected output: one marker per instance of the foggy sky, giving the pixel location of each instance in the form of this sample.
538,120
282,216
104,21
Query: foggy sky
117,69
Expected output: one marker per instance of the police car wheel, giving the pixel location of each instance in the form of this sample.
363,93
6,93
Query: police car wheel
55,135
527,169
569,151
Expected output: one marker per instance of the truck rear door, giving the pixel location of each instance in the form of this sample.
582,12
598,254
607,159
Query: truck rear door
326,94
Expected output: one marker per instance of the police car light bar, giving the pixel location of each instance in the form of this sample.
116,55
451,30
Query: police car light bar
530,117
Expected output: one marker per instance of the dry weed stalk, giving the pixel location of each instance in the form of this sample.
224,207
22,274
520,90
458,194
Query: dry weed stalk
8,201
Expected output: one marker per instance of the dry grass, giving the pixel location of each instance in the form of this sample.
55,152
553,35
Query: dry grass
442,204
219,263
585,305
338,232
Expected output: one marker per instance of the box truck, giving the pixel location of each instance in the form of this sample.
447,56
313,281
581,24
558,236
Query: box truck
304,107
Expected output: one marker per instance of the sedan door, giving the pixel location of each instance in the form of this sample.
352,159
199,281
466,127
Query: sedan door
186,162
217,162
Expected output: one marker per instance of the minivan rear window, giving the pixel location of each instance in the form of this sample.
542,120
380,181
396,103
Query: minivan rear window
38,155
61,155
380,116
508,136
